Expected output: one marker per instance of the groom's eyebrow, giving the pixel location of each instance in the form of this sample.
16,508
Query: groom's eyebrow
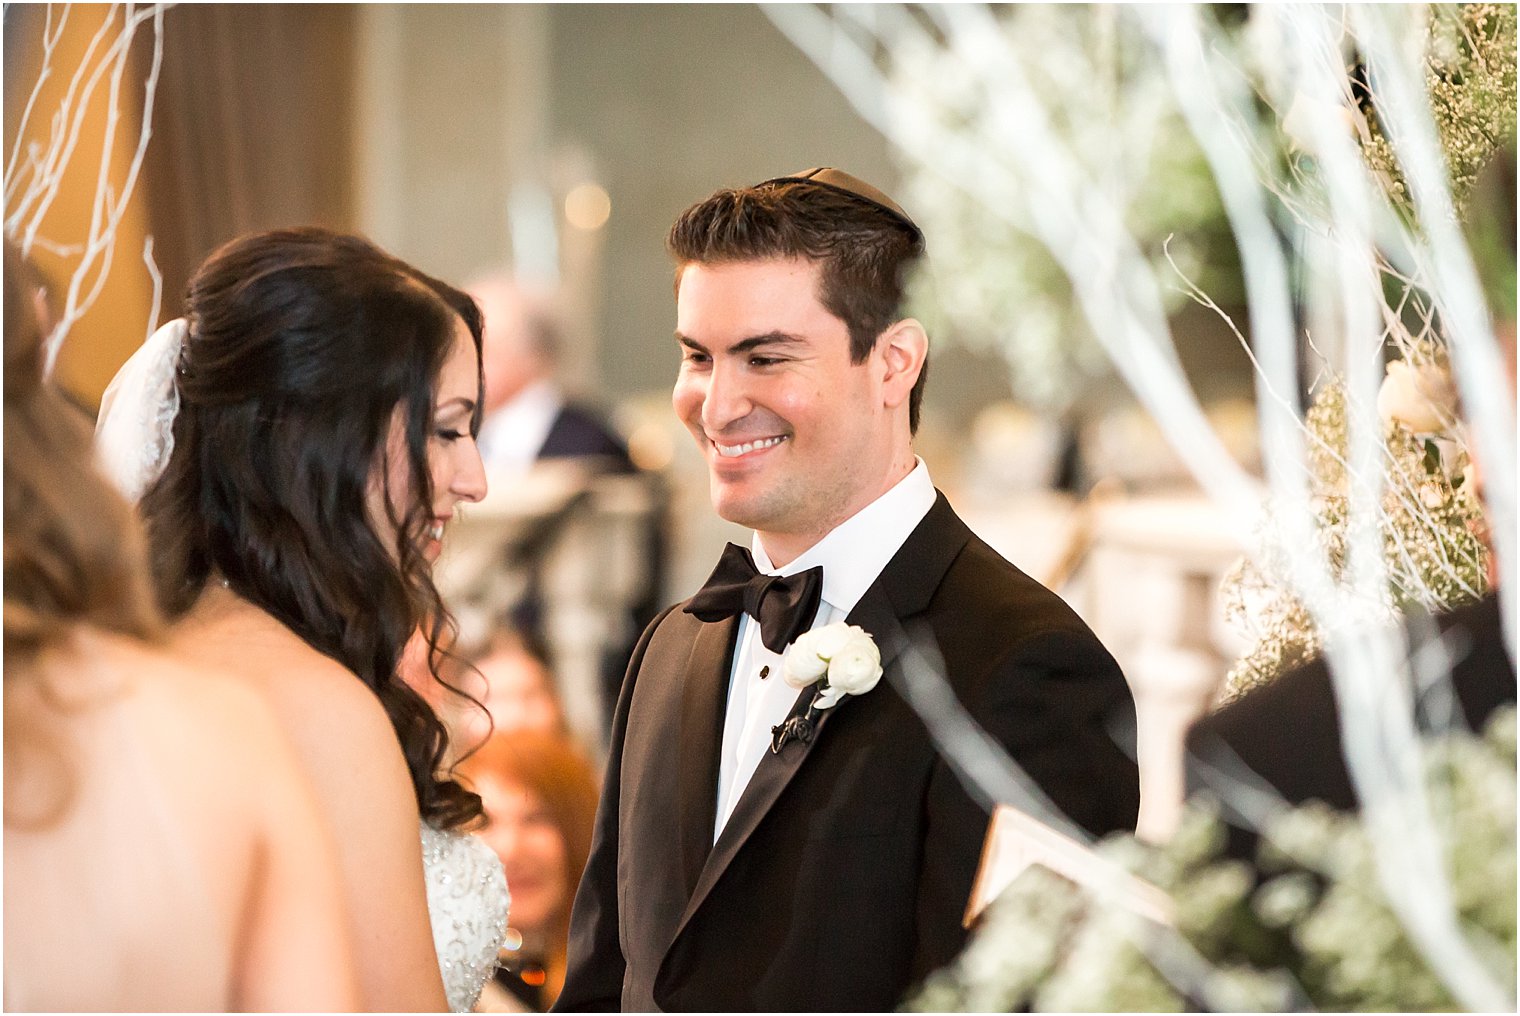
748,345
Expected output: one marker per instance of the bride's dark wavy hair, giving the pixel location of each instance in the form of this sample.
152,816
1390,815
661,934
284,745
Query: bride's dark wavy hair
303,346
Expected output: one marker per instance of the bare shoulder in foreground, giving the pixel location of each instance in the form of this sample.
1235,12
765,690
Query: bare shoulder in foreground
184,800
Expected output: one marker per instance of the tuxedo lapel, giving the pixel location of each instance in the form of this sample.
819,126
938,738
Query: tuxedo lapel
911,578
774,772
704,702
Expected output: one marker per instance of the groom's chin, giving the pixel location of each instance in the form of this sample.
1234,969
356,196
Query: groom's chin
734,503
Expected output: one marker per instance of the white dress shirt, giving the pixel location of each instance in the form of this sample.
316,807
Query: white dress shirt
511,436
852,556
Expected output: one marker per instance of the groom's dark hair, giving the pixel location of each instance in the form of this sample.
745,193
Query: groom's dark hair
866,252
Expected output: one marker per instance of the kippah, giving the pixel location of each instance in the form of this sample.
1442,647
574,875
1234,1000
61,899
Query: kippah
844,183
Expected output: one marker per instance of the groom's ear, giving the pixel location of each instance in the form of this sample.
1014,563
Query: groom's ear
903,347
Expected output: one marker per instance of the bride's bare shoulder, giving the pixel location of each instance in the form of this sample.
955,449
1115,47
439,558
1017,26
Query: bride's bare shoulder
340,731
314,695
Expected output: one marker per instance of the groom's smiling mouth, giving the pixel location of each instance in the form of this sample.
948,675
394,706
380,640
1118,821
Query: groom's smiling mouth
734,451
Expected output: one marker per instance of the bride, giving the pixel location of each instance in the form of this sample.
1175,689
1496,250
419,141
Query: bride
300,441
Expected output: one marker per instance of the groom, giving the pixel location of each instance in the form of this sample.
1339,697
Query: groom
752,853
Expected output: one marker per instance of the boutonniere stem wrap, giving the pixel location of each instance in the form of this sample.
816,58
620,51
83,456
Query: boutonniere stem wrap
837,660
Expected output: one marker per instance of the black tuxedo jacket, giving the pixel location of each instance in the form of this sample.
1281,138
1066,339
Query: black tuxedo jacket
1287,733
842,875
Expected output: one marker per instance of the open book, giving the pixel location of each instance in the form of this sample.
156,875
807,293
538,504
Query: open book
1016,840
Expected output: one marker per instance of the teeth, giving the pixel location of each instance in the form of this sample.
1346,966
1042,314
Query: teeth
435,531
732,451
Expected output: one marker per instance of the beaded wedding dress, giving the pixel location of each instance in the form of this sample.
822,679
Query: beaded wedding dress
467,901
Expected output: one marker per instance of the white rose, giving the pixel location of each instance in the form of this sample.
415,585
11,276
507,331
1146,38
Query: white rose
856,667
1298,124
831,638
845,652
803,664
1421,398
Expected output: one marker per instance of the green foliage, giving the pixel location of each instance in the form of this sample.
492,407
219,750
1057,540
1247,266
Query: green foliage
1429,517
1470,77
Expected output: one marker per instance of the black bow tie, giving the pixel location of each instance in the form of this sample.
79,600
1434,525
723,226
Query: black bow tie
785,605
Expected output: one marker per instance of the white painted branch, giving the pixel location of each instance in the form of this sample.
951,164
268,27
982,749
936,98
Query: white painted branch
50,37
1488,397
110,206
65,125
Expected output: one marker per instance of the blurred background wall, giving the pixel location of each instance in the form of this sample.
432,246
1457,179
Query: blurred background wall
453,135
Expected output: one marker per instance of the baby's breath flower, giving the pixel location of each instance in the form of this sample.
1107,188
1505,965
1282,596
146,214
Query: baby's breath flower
1285,899
1321,935
1470,76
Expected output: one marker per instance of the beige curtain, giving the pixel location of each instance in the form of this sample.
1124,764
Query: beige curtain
252,128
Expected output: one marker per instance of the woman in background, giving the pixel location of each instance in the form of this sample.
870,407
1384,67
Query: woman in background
521,692
507,672
303,436
162,850
540,796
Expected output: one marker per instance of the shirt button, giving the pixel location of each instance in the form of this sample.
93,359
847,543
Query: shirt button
765,672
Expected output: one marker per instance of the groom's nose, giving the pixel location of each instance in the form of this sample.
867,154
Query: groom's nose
726,399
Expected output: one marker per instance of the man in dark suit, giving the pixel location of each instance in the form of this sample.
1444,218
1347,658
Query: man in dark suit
756,850
527,420
527,417
1286,736
579,433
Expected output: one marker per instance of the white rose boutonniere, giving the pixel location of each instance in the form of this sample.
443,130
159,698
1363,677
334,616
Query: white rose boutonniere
1422,398
842,656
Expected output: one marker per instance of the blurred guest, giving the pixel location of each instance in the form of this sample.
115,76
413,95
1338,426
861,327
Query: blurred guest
500,683
529,420
540,798
162,851
1248,739
527,416
520,689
